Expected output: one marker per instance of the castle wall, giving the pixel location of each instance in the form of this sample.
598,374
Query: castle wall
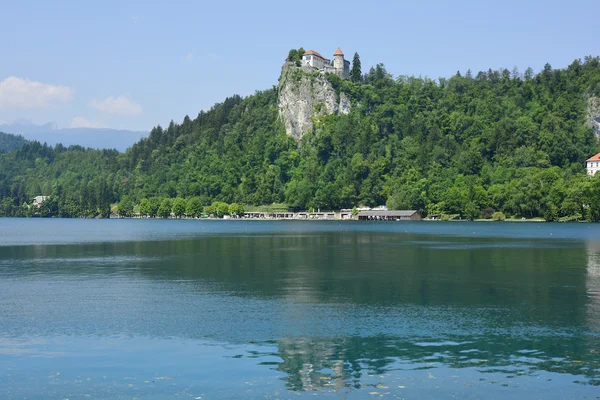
314,61
342,66
339,65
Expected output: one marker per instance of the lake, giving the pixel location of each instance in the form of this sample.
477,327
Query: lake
154,309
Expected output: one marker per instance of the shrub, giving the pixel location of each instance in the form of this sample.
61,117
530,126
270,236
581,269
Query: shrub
498,216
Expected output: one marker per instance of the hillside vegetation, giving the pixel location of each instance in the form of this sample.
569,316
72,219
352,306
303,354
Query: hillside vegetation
9,142
472,145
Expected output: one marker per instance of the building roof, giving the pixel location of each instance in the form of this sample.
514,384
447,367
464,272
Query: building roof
338,52
39,199
594,158
387,213
314,53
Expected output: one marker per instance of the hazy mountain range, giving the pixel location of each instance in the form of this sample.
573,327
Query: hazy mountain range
98,138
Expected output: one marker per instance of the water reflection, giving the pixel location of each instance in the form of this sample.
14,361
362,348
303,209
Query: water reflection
593,284
311,364
330,310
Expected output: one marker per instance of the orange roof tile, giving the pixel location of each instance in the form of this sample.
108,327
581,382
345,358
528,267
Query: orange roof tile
315,54
338,52
594,158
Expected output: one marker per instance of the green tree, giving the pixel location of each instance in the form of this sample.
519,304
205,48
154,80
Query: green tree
210,210
153,206
194,207
164,211
49,207
236,209
293,56
498,216
104,210
179,205
125,207
471,212
145,209
356,71
218,209
6,207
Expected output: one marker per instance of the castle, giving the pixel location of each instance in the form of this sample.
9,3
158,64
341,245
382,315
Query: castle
339,66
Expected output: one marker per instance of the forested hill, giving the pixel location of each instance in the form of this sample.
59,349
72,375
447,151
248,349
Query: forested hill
471,144
10,142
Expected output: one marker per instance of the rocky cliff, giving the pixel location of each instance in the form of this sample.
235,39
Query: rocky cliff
305,95
593,112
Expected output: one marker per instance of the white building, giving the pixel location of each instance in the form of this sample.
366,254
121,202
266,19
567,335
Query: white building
38,200
340,66
593,164
315,60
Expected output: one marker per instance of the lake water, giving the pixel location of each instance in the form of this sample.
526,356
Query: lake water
155,309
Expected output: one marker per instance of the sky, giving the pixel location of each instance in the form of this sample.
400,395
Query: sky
136,64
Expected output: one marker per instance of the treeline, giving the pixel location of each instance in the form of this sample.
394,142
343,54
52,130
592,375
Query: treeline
9,142
468,145
81,182
179,207
471,145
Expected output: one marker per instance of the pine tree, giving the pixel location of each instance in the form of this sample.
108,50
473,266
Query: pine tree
356,73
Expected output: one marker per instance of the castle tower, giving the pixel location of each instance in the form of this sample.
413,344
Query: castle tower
341,66
338,61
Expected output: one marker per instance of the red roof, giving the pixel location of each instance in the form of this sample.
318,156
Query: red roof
338,52
594,158
314,53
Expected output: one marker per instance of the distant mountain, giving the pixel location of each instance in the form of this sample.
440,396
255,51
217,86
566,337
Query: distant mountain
10,142
97,138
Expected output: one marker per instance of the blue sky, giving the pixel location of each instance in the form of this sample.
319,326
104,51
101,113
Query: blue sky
136,64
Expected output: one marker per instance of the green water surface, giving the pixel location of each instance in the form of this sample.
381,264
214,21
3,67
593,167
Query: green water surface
154,309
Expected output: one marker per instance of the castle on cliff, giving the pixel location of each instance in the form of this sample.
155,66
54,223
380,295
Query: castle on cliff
339,66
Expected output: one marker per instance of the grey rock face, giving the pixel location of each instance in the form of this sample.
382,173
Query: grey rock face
593,114
304,96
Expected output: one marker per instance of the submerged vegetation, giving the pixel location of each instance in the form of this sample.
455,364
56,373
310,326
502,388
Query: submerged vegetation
485,145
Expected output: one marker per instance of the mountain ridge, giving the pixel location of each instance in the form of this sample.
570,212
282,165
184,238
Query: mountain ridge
97,138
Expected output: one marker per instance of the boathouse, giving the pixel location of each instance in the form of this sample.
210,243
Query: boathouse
389,215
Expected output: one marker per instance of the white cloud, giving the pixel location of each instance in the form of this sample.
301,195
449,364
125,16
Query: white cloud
23,93
80,122
120,106
189,57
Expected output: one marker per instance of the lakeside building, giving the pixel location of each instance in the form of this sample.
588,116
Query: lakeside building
593,164
38,200
289,215
389,215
